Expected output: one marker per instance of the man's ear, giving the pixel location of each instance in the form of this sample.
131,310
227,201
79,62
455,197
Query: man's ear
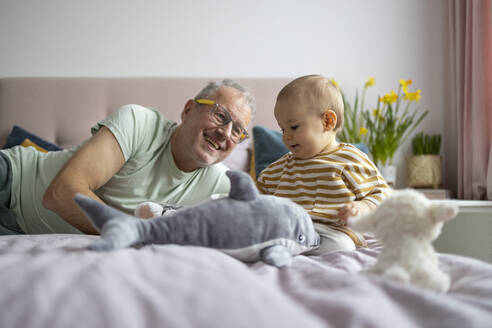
186,109
329,120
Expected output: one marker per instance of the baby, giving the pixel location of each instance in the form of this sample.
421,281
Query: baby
332,181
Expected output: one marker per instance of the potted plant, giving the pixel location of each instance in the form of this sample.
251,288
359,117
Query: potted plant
384,128
424,167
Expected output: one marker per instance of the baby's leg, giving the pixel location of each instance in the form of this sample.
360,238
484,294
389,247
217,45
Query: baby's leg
331,240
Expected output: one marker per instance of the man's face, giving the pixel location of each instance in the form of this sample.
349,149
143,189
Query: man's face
207,142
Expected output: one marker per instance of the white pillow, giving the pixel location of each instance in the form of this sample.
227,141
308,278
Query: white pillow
239,158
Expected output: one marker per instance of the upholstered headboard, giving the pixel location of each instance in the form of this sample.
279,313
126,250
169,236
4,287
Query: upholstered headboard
62,110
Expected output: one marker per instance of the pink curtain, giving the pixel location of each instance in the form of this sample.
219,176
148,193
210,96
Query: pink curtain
468,129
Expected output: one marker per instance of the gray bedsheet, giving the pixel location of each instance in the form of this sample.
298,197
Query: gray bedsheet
52,281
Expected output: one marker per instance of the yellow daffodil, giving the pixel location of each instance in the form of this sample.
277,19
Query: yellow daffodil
389,98
413,96
383,128
378,114
404,83
335,83
370,82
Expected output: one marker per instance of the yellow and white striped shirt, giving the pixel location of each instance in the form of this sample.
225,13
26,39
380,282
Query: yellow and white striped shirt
325,183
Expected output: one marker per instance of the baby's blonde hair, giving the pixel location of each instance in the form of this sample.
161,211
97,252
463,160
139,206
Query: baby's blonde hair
319,92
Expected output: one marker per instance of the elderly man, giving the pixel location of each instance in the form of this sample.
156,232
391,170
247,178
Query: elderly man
134,155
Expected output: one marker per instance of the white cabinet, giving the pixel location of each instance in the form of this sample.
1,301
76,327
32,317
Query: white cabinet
470,233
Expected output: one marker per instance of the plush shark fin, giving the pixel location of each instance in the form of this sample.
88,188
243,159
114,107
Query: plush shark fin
242,186
276,255
97,212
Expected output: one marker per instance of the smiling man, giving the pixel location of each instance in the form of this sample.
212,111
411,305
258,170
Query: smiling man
212,124
134,155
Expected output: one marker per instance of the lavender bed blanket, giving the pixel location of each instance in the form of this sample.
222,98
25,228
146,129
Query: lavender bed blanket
52,281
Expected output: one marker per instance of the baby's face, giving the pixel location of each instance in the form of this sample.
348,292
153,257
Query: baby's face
302,127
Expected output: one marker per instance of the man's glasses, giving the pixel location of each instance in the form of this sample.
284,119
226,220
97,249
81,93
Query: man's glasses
221,116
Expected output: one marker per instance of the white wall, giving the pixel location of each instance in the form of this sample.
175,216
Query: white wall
348,40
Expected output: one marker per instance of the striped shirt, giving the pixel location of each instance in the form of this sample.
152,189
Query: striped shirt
325,183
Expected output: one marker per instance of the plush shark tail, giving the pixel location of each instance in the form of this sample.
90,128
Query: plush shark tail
97,212
242,186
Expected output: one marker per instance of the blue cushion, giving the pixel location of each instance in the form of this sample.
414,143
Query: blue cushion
268,147
363,147
18,135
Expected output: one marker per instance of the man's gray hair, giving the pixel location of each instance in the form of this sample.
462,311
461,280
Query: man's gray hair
213,86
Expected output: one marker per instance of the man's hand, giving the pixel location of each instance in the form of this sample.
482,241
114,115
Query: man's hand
149,210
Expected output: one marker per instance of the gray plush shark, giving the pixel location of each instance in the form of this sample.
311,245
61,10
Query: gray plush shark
245,225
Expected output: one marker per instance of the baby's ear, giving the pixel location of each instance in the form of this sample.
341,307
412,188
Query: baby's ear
441,212
329,120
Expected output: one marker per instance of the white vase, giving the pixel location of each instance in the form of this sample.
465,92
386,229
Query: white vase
389,174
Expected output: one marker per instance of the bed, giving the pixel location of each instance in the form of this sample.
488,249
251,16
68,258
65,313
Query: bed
53,281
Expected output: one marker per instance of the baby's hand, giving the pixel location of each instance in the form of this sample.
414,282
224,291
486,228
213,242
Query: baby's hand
148,210
349,210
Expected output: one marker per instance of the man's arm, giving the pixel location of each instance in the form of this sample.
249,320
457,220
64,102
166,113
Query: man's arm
90,168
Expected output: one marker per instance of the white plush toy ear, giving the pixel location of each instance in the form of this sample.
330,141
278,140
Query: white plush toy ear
442,212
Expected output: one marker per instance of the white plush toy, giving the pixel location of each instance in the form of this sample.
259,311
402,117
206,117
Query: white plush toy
149,210
406,224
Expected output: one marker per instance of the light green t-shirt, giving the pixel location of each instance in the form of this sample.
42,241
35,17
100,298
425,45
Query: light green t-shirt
149,172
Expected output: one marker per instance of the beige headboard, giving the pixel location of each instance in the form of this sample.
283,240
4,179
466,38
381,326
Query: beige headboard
62,110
